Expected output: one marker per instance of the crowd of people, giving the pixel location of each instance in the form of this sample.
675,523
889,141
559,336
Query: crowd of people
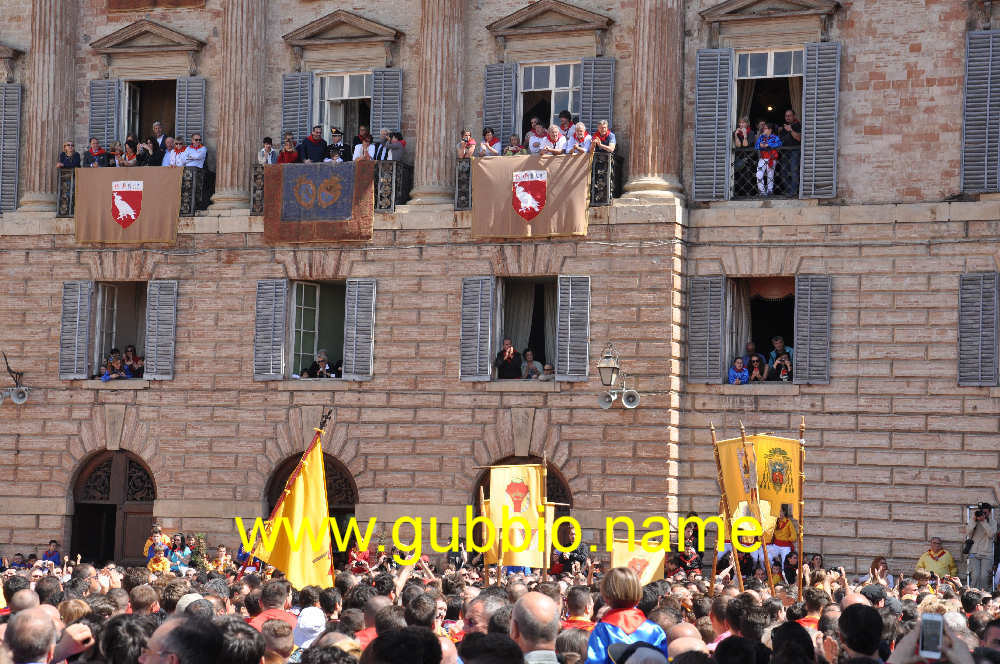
511,364
570,136
754,367
389,146
157,150
116,366
766,139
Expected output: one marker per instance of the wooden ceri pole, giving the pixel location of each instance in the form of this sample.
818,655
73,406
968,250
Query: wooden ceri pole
715,560
545,497
802,499
485,554
281,499
725,510
750,453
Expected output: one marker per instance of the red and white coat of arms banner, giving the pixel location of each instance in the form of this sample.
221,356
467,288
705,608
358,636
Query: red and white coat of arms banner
126,201
528,198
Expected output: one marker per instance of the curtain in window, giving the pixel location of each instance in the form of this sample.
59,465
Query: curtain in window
795,94
551,303
518,309
738,306
744,94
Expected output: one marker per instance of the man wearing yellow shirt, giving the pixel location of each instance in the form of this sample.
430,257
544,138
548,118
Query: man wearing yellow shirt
157,537
158,564
783,539
937,560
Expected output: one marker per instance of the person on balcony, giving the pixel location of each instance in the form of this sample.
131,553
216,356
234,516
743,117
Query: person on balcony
490,145
288,154
397,147
738,374
176,154
744,166
579,141
790,134
194,155
566,123
338,151
147,155
554,143
534,122
767,147
168,152
514,147
466,148
603,138
68,158
313,149
267,154
530,367
96,156
538,135
743,137
128,157
362,132
759,370
365,150
508,361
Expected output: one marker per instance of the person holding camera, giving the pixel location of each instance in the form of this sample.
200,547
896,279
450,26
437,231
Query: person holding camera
466,146
979,546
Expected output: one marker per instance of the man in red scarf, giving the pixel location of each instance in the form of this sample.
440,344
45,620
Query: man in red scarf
313,149
96,156
603,138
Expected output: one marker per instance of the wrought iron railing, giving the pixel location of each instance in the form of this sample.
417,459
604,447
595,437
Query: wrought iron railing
196,191
752,180
605,180
66,193
393,181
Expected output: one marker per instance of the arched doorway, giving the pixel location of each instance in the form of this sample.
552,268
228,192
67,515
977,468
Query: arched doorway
113,511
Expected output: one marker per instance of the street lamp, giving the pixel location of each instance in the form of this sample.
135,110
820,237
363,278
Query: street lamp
608,366
610,371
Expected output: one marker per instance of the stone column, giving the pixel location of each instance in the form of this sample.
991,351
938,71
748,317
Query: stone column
50,96
241,101
438,100
657,91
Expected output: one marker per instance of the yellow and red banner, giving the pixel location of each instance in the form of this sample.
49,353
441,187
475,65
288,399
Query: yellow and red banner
131,205
517,509
648,565
778,471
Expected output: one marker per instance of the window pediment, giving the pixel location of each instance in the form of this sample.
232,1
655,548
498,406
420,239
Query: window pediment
735,10
341,29
7,57
747,24
547,17
145,36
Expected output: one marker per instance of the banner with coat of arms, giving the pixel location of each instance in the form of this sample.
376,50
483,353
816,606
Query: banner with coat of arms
131,205
530,196
521,490
778,471
647,565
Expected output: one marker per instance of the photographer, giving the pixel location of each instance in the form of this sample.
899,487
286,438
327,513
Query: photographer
980,535
467,146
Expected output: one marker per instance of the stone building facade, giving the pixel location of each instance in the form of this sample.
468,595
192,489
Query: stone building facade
896,446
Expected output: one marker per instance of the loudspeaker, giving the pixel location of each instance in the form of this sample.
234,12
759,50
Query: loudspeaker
630,398
605,400
19,396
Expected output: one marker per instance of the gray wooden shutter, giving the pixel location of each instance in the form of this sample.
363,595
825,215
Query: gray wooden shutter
820,110
297,104
500,99
387,100
813,302
573,329
74,332
10,139
478,295
977,329
161,330
269,330
713,99
597,92
981,113
105,103
190,108
706,325
359,329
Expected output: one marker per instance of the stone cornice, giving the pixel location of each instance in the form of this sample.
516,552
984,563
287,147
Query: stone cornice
117,41
580,20
373,33
741,10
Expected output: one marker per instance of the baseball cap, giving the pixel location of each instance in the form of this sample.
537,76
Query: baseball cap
312,621
625,653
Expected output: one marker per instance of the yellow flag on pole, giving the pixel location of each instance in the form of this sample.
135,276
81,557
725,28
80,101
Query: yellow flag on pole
737,473
648,565
491,556
521,490
303,551
778,471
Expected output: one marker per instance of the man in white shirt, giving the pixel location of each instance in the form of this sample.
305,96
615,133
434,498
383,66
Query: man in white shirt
566,124
536,138
603,138
579,140
169,154
554,143
195,153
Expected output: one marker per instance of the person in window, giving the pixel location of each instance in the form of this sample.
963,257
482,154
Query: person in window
579,141
565,123
554,143
750,351
114,153
538,136
508,362
534,122
738,374
603,138
96,156
397,147
790,134
195,154
116,370
490,145
514,147
68,158
177,153
320,368
267,154
362,132
759,370
313,148
530,367
288,154
365,150
779,347
130,359
466,147
781,370
548,373
128,157
767,147
146,154
744,140
338,151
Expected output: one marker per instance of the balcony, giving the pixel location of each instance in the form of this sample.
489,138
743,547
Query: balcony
393,181
786,175
605,180
196,191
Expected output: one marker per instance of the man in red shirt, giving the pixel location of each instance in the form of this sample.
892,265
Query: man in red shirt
372,607
580,606
815,599
276,598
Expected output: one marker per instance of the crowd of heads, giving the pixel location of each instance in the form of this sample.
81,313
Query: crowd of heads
569,136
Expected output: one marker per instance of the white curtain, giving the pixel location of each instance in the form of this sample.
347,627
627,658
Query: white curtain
738,308
551,315
518,309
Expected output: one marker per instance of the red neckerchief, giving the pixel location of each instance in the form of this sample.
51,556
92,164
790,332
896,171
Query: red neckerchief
493,142
581,140
603,136
566,128
100,151
938,556
179,150
313,140
628,620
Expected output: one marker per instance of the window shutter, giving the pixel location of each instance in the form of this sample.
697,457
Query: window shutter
597,91
977,329
500,99
387,100
573,329
813,301
269,330
10,138
820,108
297,104
74,332
713,99
981,113
478,295
359,329
161,330
105,99
190,108
706,324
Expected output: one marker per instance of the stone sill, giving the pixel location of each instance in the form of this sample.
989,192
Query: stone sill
312,385
523,386
765,389
126,384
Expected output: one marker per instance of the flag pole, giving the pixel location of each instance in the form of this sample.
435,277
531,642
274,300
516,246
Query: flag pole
715,560
725,505
546,543
802,499
281,498
755,504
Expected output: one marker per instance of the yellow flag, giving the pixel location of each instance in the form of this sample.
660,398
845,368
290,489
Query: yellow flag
647,565
492,556
778,471
521,490
302,552
737,473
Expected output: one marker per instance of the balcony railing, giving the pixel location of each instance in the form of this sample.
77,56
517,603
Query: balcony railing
605,180
393,181
196,191
747,185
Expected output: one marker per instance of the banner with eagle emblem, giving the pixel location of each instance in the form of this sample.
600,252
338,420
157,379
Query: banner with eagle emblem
530,196
521,490
130,205
778,471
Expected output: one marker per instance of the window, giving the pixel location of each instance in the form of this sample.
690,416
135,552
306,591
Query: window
547,89
769,64
527,314
146,102
120,321
318,324
344,101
